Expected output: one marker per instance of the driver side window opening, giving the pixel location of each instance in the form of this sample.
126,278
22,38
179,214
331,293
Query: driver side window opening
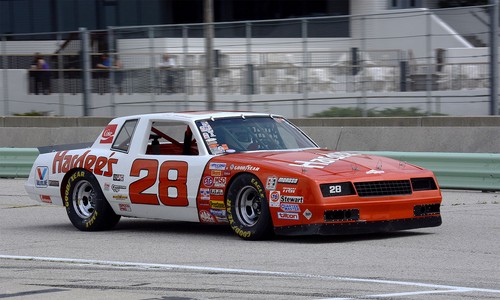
171,138
122,141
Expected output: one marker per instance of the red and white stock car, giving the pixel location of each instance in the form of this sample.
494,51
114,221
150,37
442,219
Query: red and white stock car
256,172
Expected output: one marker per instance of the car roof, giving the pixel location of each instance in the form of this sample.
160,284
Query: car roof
196,115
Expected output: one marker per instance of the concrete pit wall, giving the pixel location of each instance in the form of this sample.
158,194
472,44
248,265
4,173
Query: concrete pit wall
415,134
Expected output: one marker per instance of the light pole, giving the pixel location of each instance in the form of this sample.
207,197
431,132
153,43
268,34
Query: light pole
209,66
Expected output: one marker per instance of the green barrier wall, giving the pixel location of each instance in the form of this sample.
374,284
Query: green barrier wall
471,171
16,162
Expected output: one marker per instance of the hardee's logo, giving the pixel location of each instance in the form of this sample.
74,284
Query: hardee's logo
108,134
99,165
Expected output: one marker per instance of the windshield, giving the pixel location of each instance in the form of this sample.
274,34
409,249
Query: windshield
252,133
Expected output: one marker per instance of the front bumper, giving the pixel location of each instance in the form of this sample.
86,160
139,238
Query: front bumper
359,227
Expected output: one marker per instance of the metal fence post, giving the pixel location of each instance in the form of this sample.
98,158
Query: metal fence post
250,83
152,69
185,50
112,62
86,70
5,80
429,73
494,57
60,75
209,64
307,65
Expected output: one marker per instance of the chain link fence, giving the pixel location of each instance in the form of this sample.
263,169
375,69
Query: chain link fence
296,67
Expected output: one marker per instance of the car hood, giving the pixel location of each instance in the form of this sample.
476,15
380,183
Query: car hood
320,162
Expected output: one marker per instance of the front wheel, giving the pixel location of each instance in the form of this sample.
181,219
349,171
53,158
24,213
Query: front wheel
86,206
247,208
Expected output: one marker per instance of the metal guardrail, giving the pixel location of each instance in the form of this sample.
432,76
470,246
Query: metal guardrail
467,171
470,171
16,162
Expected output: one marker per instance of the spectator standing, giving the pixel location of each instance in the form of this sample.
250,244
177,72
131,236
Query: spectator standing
41,74
167,65
102,74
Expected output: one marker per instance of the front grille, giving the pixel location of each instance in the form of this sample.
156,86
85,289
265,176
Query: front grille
383,188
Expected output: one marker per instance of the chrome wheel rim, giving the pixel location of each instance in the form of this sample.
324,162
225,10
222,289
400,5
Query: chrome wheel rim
248,206
84,199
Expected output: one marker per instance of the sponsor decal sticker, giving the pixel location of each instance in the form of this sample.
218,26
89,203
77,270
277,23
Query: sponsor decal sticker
288,216
217,192
308,214
244,168
124,207
218,213
292,199
99,165
271,183
42,177
108,134
46,199
118,177
288,180
274,199
53,183
208,181
216,173
116,188
217,204
120,197
289,190
205,194
323,160
220,181
206,217
375,172
290,207
217,166
107,186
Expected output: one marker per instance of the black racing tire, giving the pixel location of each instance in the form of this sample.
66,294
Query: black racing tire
85,203
247,208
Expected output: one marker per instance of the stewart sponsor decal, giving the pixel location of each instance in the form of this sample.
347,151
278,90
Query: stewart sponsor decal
292,199
324,160
99,165
108,134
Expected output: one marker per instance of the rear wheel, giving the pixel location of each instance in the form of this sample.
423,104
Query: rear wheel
247,208
86,206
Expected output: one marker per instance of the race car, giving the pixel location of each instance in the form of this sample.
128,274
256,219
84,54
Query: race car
257,173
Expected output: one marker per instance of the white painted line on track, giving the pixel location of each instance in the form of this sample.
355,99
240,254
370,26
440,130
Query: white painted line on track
119,264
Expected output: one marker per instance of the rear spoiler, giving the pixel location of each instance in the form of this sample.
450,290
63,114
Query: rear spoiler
54,148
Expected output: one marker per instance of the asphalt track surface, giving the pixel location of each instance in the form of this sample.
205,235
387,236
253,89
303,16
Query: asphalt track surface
42,256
